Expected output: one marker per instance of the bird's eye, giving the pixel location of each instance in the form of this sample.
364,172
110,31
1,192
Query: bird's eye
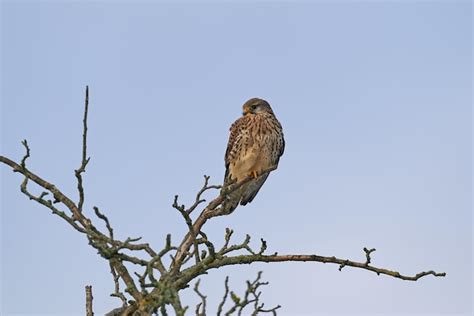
253,106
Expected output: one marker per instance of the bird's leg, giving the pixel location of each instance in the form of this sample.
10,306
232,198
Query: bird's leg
254,174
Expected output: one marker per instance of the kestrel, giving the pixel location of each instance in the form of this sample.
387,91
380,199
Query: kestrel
255,144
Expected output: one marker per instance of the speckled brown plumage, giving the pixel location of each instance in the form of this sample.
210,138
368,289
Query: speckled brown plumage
255,143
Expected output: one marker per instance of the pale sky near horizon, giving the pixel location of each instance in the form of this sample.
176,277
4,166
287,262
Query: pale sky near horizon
375,99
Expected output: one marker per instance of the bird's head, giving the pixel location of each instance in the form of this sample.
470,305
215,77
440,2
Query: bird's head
256,106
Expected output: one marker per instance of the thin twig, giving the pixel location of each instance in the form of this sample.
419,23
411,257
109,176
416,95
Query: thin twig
189,223
226,293
201,307
27,154
89,298
367,255
204,188
85,159
117,293
106,220
250,297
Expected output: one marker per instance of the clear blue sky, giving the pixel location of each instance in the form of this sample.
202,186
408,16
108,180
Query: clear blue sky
375,100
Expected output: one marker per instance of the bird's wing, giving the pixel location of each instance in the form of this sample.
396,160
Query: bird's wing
282,147
234,138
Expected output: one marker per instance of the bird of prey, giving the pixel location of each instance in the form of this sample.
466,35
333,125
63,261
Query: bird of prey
255,144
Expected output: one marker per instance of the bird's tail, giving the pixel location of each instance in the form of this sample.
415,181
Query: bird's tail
232,200
251,189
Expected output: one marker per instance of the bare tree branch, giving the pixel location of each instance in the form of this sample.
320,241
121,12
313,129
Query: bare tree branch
85,159
251,297
89,298
117,293
226,293
27,155
189,223
367,255
210,211
155,287
204,188
57,194
201,307
195,271
106,220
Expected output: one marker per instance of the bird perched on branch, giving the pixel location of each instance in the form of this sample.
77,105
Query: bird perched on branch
255,144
